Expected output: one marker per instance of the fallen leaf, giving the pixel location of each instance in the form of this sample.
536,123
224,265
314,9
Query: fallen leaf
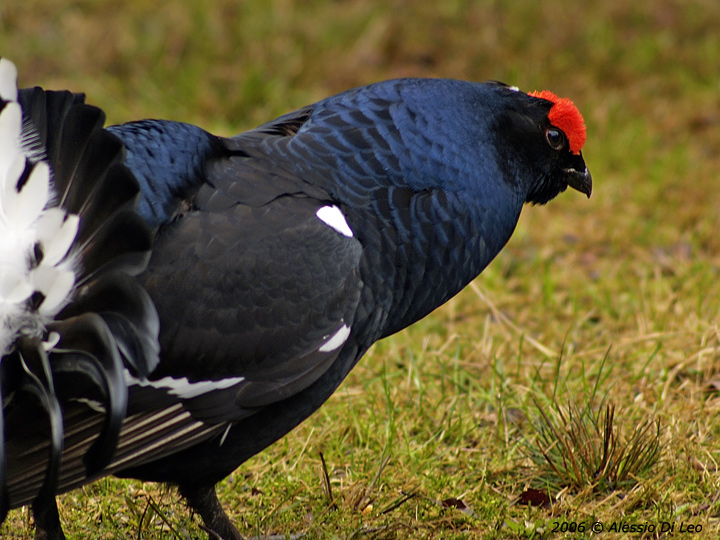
452,502
535,497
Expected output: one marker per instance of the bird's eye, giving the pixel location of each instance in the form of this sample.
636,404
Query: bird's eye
555,138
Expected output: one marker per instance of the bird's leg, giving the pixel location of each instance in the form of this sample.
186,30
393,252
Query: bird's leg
47,522
204,501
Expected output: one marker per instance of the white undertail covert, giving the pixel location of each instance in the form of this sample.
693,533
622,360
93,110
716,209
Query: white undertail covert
36,234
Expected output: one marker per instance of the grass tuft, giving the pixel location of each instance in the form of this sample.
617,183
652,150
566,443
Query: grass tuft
583,448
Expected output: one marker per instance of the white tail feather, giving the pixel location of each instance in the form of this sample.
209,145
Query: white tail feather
56,231
55,284
36,236
10,126
28,203
8,80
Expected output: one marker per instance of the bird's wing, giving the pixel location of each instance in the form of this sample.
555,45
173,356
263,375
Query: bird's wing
256,304
258,300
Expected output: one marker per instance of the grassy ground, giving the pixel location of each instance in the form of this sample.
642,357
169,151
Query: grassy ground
616,297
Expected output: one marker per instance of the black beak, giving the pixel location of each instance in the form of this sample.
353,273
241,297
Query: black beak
579,178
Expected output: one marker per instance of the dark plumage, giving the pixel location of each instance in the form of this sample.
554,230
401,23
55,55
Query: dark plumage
282,254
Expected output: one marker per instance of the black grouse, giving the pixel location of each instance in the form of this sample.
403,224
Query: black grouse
279,256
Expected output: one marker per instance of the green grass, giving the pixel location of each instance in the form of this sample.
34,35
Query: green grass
622,291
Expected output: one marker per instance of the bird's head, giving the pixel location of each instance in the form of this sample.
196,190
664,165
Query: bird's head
566,135
547,133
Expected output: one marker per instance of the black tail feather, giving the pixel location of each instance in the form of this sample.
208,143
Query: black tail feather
39,384
4,498
87,354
